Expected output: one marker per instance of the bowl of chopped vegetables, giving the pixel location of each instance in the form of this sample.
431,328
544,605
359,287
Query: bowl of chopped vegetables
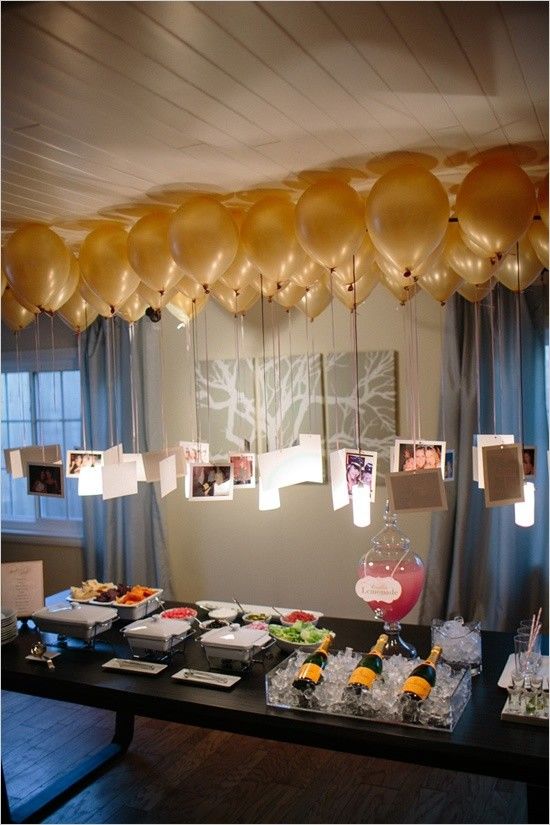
309,616
298,636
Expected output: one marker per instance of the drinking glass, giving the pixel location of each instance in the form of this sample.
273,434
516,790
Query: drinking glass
527,661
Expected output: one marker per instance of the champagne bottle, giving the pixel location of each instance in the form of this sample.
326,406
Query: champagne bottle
369,668
419,683
311,671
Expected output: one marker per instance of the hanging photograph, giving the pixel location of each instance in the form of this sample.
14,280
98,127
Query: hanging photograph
529,462
244,470
45,480
211,482
195,451
449,474
503,474
361,469
416,491
420,455
77,459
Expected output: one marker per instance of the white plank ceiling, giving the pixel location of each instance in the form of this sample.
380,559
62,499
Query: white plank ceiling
111,107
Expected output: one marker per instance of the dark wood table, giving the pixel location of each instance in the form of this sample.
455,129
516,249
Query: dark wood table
480,743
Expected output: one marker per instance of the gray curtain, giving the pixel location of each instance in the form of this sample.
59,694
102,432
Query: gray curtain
481,564
124,537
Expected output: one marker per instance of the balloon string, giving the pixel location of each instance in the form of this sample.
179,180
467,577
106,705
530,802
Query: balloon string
308,369
52,343
19,392
237,371
162,372
493,359
82,411
478,383
333,370
109,322
276,380
442,373
117,416
207,376
195,376
40,423
416,368
279,389
132,386
356,361
520,348
264,361
293,422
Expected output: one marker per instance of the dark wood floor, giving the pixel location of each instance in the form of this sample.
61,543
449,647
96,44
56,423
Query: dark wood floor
177,773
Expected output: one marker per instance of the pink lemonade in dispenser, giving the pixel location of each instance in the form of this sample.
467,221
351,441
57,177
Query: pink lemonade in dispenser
409,575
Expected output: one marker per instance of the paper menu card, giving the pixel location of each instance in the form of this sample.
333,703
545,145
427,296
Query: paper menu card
23,586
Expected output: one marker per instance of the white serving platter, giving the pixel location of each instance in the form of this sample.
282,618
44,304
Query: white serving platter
273,610
204,677
134,666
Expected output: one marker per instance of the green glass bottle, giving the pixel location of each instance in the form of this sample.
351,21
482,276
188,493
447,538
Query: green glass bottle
369,668
311,671
420,682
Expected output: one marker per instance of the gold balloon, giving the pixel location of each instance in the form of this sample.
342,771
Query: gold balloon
36,262
330,222
542,200
469,266
4,282
316,299
495,205
476,292
518,272
153,298
241,271
289,295
393,272
203,239
400,289
352,296
15,316
538,235
308,272
189,287
149,252
94,300
77,313
269,238
133,308
105,267
69,287
185,308
440,280
234,301
364,261
407,213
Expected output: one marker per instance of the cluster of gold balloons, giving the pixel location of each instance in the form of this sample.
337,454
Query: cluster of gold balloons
331,243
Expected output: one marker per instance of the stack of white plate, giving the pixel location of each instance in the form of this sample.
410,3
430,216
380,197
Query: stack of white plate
9,625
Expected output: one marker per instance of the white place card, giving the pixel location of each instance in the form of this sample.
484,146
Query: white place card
90,481
340,496
138,458
168,478
23,586
119,480
21,457
292,465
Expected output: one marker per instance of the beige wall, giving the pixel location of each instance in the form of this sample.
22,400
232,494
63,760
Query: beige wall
305,554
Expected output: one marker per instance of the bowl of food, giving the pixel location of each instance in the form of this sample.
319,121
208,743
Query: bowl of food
226,614
298,636
307,616
248,618
183,613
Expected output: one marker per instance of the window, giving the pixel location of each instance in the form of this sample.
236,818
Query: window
40,408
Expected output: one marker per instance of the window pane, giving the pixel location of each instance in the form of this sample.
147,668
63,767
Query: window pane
71,394
74,501
23,506
18,399
53,507
19,435
48,395
73,436
50,432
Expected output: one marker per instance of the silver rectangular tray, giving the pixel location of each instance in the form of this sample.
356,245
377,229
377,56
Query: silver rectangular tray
280,694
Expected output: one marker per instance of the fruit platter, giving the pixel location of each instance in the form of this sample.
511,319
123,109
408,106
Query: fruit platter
131,602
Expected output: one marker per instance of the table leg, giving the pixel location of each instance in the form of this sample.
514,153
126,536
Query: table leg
74,780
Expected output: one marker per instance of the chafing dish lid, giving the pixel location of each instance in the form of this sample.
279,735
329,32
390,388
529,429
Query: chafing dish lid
75,614
155,627
241,639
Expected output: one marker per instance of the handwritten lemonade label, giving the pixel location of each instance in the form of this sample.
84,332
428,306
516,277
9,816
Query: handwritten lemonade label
382,589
